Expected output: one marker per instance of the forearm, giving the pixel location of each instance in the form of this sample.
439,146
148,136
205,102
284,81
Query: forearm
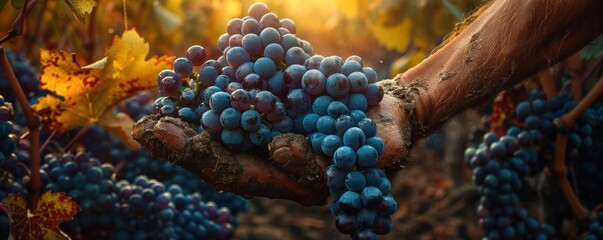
508,42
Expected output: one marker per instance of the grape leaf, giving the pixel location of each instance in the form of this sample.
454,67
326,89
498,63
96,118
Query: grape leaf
593,50
79,8
43,223
90,94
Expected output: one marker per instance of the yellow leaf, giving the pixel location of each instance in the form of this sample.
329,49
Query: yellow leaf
79,8
120,125
396,37
90,93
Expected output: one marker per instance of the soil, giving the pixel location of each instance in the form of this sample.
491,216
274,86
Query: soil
429,207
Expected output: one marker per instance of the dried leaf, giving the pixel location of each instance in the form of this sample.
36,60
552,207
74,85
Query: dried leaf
90,93
79,8
42,223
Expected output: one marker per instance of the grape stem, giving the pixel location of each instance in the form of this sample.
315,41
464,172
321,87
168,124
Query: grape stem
17,27
33,123
548,84
559,168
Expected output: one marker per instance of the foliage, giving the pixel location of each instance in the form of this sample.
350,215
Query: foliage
593,50
90,95
43,222
79,8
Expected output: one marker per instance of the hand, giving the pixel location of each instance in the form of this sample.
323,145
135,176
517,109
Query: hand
289,170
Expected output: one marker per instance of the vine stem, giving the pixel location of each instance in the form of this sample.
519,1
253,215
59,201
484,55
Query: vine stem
17,28
33,123
559,167
548,84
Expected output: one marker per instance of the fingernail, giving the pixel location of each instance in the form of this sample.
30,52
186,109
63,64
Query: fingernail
282,155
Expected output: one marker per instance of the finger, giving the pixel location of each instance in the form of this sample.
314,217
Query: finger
292,153
175,141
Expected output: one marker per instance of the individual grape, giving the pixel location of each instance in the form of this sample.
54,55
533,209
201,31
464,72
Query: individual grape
235,40
262,136
336,109
367,156
251,26
346,223
350,67
240,99
355,181
310,121
357,115
357,101
213,63
251,120
354,138
326,125
298,101
252,43
187,114
230,118
196,55
275,52
210,91
222,82
289,25
264,101
207,76
258,10
264,67
293,76
234,26
270,35
253,80
330,144
354,58
368,126
219,101
313,62
314,82
295,55
283,31
170,86
330,65
223,42
164,73
358,82
237,56
377,143
374,94
278,113
307,47
183,67
270,20
370,74
337,85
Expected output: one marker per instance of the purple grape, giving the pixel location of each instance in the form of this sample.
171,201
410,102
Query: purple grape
264,67
314,82
237,56
293,76
278,114
165,73
337,85
252,80
370,74
275,52
288,41
270,20
223,42
240,99
258,10
314,62
374,94
289,25
251,120
270,35
298,101
169,86
196,54
235,40
244,70
183,67
295,55
234,26
207,76
251,26
330,65
252,43
264,101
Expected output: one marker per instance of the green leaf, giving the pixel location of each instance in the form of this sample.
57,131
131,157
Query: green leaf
79,8
593,50
17,4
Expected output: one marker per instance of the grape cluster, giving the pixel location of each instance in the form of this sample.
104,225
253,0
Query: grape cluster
499,167
170,175
266,83
137,106
25,74
595,228
8,140
147,209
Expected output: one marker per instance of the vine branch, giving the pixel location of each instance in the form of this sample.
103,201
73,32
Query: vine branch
17,28
33,123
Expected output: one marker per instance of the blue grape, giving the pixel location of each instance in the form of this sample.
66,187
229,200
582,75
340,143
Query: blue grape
337,85
355,181
289,41
298,101
237,56
252,43
358,82
262,136
211,121
368,126
187,114
275,52
270,35
336,109
367,156
264,67
251,26
230,118
207,76
350,202
314,82
251,120
278,113
183,67
374,94
344,157
326,125
264,101
233,137
295,55
330,65
370,74
219,101
310,122
377,143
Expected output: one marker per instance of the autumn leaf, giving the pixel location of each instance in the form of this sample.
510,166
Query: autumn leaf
42,223
91,94
79,8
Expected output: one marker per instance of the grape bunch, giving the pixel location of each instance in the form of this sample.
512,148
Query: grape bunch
25,74
137,106
267,82
8,140
499,168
